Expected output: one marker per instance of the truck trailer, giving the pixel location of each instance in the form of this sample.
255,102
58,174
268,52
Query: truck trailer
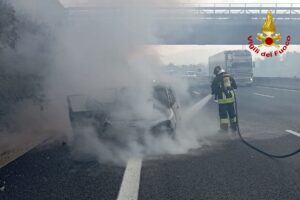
238,63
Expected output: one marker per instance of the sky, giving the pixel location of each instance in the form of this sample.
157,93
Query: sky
193,54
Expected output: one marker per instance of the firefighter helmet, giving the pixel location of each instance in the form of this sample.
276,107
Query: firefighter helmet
218,70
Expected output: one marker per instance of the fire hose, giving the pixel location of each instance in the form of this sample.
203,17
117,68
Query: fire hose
252,146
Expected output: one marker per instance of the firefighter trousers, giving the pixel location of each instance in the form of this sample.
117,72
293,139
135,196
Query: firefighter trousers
227,115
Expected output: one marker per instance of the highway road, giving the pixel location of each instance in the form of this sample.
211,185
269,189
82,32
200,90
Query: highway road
220,168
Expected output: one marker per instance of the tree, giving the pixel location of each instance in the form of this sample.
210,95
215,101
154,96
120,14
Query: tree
24,62
8,25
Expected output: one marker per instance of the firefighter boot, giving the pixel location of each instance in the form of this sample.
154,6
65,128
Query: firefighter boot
233,126
233,123
223,127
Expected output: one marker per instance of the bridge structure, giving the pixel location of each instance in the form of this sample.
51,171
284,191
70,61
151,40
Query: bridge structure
229,23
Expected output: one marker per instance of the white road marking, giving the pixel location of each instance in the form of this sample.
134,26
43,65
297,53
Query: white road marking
282,89
263,95
293,132
131,180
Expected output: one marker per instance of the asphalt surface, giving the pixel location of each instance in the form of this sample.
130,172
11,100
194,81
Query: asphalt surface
221,168
51,173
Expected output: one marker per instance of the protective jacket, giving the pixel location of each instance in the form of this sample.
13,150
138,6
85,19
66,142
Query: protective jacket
222,87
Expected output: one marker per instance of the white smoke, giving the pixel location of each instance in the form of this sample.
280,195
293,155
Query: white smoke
105,48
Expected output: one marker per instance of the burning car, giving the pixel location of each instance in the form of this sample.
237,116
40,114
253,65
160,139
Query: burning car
116,112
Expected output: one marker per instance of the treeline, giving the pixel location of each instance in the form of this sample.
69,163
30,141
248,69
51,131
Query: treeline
24,62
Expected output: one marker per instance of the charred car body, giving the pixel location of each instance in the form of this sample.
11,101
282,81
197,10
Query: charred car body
117,111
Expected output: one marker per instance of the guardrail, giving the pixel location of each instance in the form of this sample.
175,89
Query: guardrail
278,82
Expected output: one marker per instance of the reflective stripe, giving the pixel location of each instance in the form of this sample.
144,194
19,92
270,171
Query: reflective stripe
233,119
224,121
225,100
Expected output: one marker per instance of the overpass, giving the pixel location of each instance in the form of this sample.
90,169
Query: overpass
229,23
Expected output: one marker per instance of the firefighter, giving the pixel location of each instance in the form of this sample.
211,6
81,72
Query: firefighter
222,88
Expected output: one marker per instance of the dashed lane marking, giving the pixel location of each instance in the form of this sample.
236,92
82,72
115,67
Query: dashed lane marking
263,95
131,180
293,132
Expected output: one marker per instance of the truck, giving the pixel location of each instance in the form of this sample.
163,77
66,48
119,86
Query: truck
238,63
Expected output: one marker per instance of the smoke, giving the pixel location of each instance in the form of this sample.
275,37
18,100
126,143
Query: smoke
283,66
90,52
